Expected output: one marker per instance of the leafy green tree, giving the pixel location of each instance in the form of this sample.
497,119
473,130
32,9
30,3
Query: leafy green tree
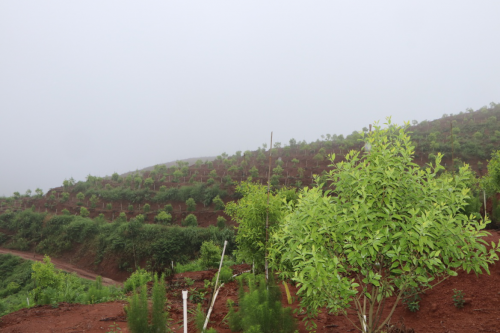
233,169
45,276
177,176
218,203
80,197
168,208
278,171
128,180
28,193
163,217
275,180
318,158
122,217
212,174
261,157
191,221
115,177
65,211
228,181
138,181
491,181
254,172
109,206
295,162
300,172
64,196
190,205
247,155
130,208
210,255
221,222
250,214
148,182
93,201
386,226
39,192
84,212
198,163
146,208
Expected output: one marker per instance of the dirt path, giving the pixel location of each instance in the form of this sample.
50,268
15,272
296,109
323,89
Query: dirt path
60,265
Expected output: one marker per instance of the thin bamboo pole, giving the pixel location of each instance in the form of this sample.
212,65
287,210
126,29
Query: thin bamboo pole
266,266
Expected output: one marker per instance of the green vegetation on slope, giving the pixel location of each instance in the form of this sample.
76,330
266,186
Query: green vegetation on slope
128,242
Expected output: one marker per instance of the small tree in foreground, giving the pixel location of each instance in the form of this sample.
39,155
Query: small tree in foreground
385,227
137,310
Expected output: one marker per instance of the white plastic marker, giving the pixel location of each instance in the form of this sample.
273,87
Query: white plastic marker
184,301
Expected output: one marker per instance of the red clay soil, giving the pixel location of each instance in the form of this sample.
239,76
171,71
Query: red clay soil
437,313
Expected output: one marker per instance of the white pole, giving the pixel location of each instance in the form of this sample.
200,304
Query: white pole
184,300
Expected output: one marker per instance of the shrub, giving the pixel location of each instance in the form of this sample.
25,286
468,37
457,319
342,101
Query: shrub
300,172
168,208
93,201
84,212
146,208
225,275
130,208
221,222
218,203
121,218
109,206
64,196
254,172
190,221
210,255
80,197
66,212
295,162
191,205
138,278
163,218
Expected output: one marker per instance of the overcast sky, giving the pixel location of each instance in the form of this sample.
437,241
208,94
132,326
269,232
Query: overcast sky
93,87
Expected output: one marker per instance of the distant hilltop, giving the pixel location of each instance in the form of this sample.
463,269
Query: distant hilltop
191,161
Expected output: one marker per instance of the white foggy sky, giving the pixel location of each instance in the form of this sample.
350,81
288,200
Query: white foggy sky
103,86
